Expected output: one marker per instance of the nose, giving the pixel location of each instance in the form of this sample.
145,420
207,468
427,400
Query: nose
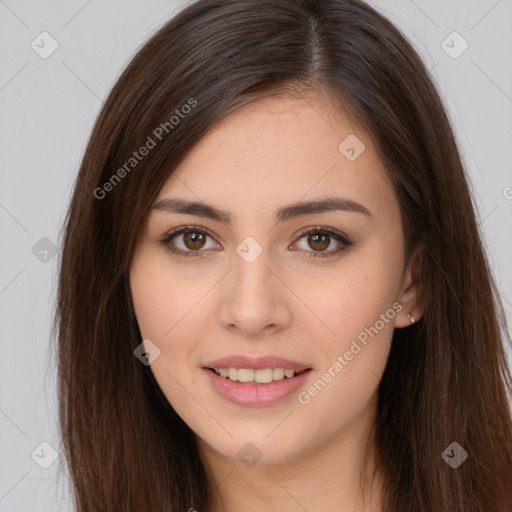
254,301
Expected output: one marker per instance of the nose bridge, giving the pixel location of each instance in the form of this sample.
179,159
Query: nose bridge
251,279
252,298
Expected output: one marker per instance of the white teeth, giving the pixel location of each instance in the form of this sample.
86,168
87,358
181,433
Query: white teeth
245,375
262,376
278,373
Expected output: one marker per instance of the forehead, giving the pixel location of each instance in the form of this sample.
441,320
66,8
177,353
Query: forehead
280,150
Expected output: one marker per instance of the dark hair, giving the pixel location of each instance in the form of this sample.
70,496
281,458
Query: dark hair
446,377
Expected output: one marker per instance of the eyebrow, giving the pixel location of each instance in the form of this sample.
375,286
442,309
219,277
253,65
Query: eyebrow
329,204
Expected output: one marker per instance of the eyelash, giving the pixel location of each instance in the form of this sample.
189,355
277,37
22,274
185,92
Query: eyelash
340,238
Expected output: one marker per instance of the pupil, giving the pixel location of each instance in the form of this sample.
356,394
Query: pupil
195,239
320,239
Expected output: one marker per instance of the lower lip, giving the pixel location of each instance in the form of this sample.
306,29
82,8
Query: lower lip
255,395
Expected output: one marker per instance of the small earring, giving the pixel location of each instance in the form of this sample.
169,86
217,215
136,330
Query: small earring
411,318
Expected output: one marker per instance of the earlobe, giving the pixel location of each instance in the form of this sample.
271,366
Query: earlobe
410,294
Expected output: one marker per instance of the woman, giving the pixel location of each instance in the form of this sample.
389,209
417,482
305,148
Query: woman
273,292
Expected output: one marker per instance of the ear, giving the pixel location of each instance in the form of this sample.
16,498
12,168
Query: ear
410,294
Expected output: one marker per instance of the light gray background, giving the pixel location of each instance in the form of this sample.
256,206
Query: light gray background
47,109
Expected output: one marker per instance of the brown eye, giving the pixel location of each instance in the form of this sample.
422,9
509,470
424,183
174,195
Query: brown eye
319,241
189,241
194,240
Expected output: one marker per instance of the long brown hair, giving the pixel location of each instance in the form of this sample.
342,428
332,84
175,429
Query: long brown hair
446,378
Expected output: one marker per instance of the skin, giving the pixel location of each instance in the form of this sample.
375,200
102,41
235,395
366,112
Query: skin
277,151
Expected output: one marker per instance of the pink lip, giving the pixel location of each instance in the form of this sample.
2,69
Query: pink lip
254,395
258,363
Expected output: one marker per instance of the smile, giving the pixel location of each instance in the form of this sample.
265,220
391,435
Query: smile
252,393
251,376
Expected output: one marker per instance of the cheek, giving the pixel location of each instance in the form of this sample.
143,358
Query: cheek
159,307
357,310
161,312
350,298
354,357
360,322
151,301
168,307
163,296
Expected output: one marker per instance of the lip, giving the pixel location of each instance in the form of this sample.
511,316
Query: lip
255,395
258,363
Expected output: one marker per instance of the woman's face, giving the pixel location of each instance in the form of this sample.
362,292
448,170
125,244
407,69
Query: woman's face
256,286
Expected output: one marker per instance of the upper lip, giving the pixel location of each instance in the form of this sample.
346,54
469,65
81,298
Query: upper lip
257,363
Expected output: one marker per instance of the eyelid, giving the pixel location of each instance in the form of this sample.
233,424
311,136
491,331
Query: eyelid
169,235
323,229
183,229
340,237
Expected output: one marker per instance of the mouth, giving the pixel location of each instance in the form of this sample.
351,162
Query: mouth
257,377
256,387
